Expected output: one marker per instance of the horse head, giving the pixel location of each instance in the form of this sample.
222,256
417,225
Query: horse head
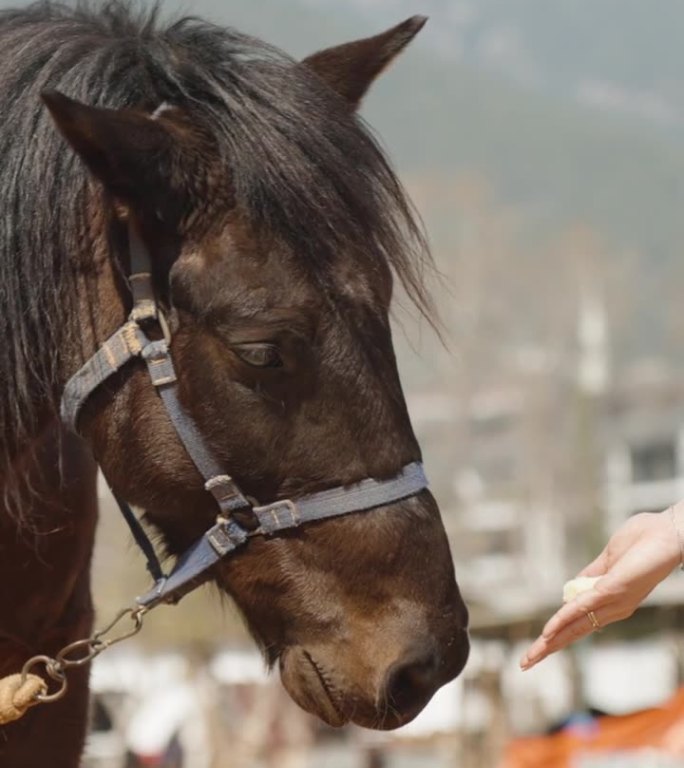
275,229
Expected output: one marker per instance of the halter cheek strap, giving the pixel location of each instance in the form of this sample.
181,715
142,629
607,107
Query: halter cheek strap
227,534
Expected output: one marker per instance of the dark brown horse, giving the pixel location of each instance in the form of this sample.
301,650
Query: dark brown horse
275,226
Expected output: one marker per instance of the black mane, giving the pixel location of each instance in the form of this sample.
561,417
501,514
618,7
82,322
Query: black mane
302,166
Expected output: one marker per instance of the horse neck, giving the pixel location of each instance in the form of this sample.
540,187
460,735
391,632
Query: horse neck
48,494
41,463
39,481
47,527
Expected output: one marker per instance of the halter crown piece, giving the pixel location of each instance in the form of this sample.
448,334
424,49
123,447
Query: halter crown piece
227,534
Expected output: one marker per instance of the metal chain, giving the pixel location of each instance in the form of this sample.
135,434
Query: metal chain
81,652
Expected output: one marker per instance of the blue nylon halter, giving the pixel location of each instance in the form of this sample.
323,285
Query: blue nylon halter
227,534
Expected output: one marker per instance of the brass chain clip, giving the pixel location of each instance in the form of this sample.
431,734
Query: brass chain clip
81,652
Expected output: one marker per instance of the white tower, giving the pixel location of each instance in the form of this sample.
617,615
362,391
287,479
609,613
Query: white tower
592,336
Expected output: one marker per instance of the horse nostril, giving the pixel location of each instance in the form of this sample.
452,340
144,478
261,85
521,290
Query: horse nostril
410,681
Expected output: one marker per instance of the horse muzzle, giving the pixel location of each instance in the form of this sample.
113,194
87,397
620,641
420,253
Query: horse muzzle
341,687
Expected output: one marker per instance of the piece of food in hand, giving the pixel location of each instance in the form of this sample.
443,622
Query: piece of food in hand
576,586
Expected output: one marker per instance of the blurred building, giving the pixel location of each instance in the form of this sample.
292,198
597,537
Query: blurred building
644,461
535,470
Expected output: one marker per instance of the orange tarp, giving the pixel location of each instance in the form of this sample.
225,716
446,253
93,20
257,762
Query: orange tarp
660,729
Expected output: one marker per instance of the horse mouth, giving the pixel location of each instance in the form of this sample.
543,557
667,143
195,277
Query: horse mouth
310,686
328,690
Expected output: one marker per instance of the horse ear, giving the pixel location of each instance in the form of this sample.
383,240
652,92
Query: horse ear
350,69
128,151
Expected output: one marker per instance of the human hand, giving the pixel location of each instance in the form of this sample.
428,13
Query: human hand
639,555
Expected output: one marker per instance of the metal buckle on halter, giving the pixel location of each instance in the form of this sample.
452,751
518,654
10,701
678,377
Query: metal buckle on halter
144,310
278,516
148,310
144,305
226,492
233,502
226,536
130,332
159,363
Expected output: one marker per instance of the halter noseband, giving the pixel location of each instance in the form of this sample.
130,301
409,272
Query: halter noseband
227,534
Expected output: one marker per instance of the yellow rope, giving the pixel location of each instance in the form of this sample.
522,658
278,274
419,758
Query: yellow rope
17,695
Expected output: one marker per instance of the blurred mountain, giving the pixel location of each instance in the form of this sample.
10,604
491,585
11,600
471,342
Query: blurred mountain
620,55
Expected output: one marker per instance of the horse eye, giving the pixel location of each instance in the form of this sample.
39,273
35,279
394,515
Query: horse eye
259,355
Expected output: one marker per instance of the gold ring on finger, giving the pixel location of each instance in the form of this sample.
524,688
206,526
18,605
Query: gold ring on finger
593,620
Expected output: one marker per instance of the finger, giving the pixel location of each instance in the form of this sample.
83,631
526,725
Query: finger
568,616
578,629
590,600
